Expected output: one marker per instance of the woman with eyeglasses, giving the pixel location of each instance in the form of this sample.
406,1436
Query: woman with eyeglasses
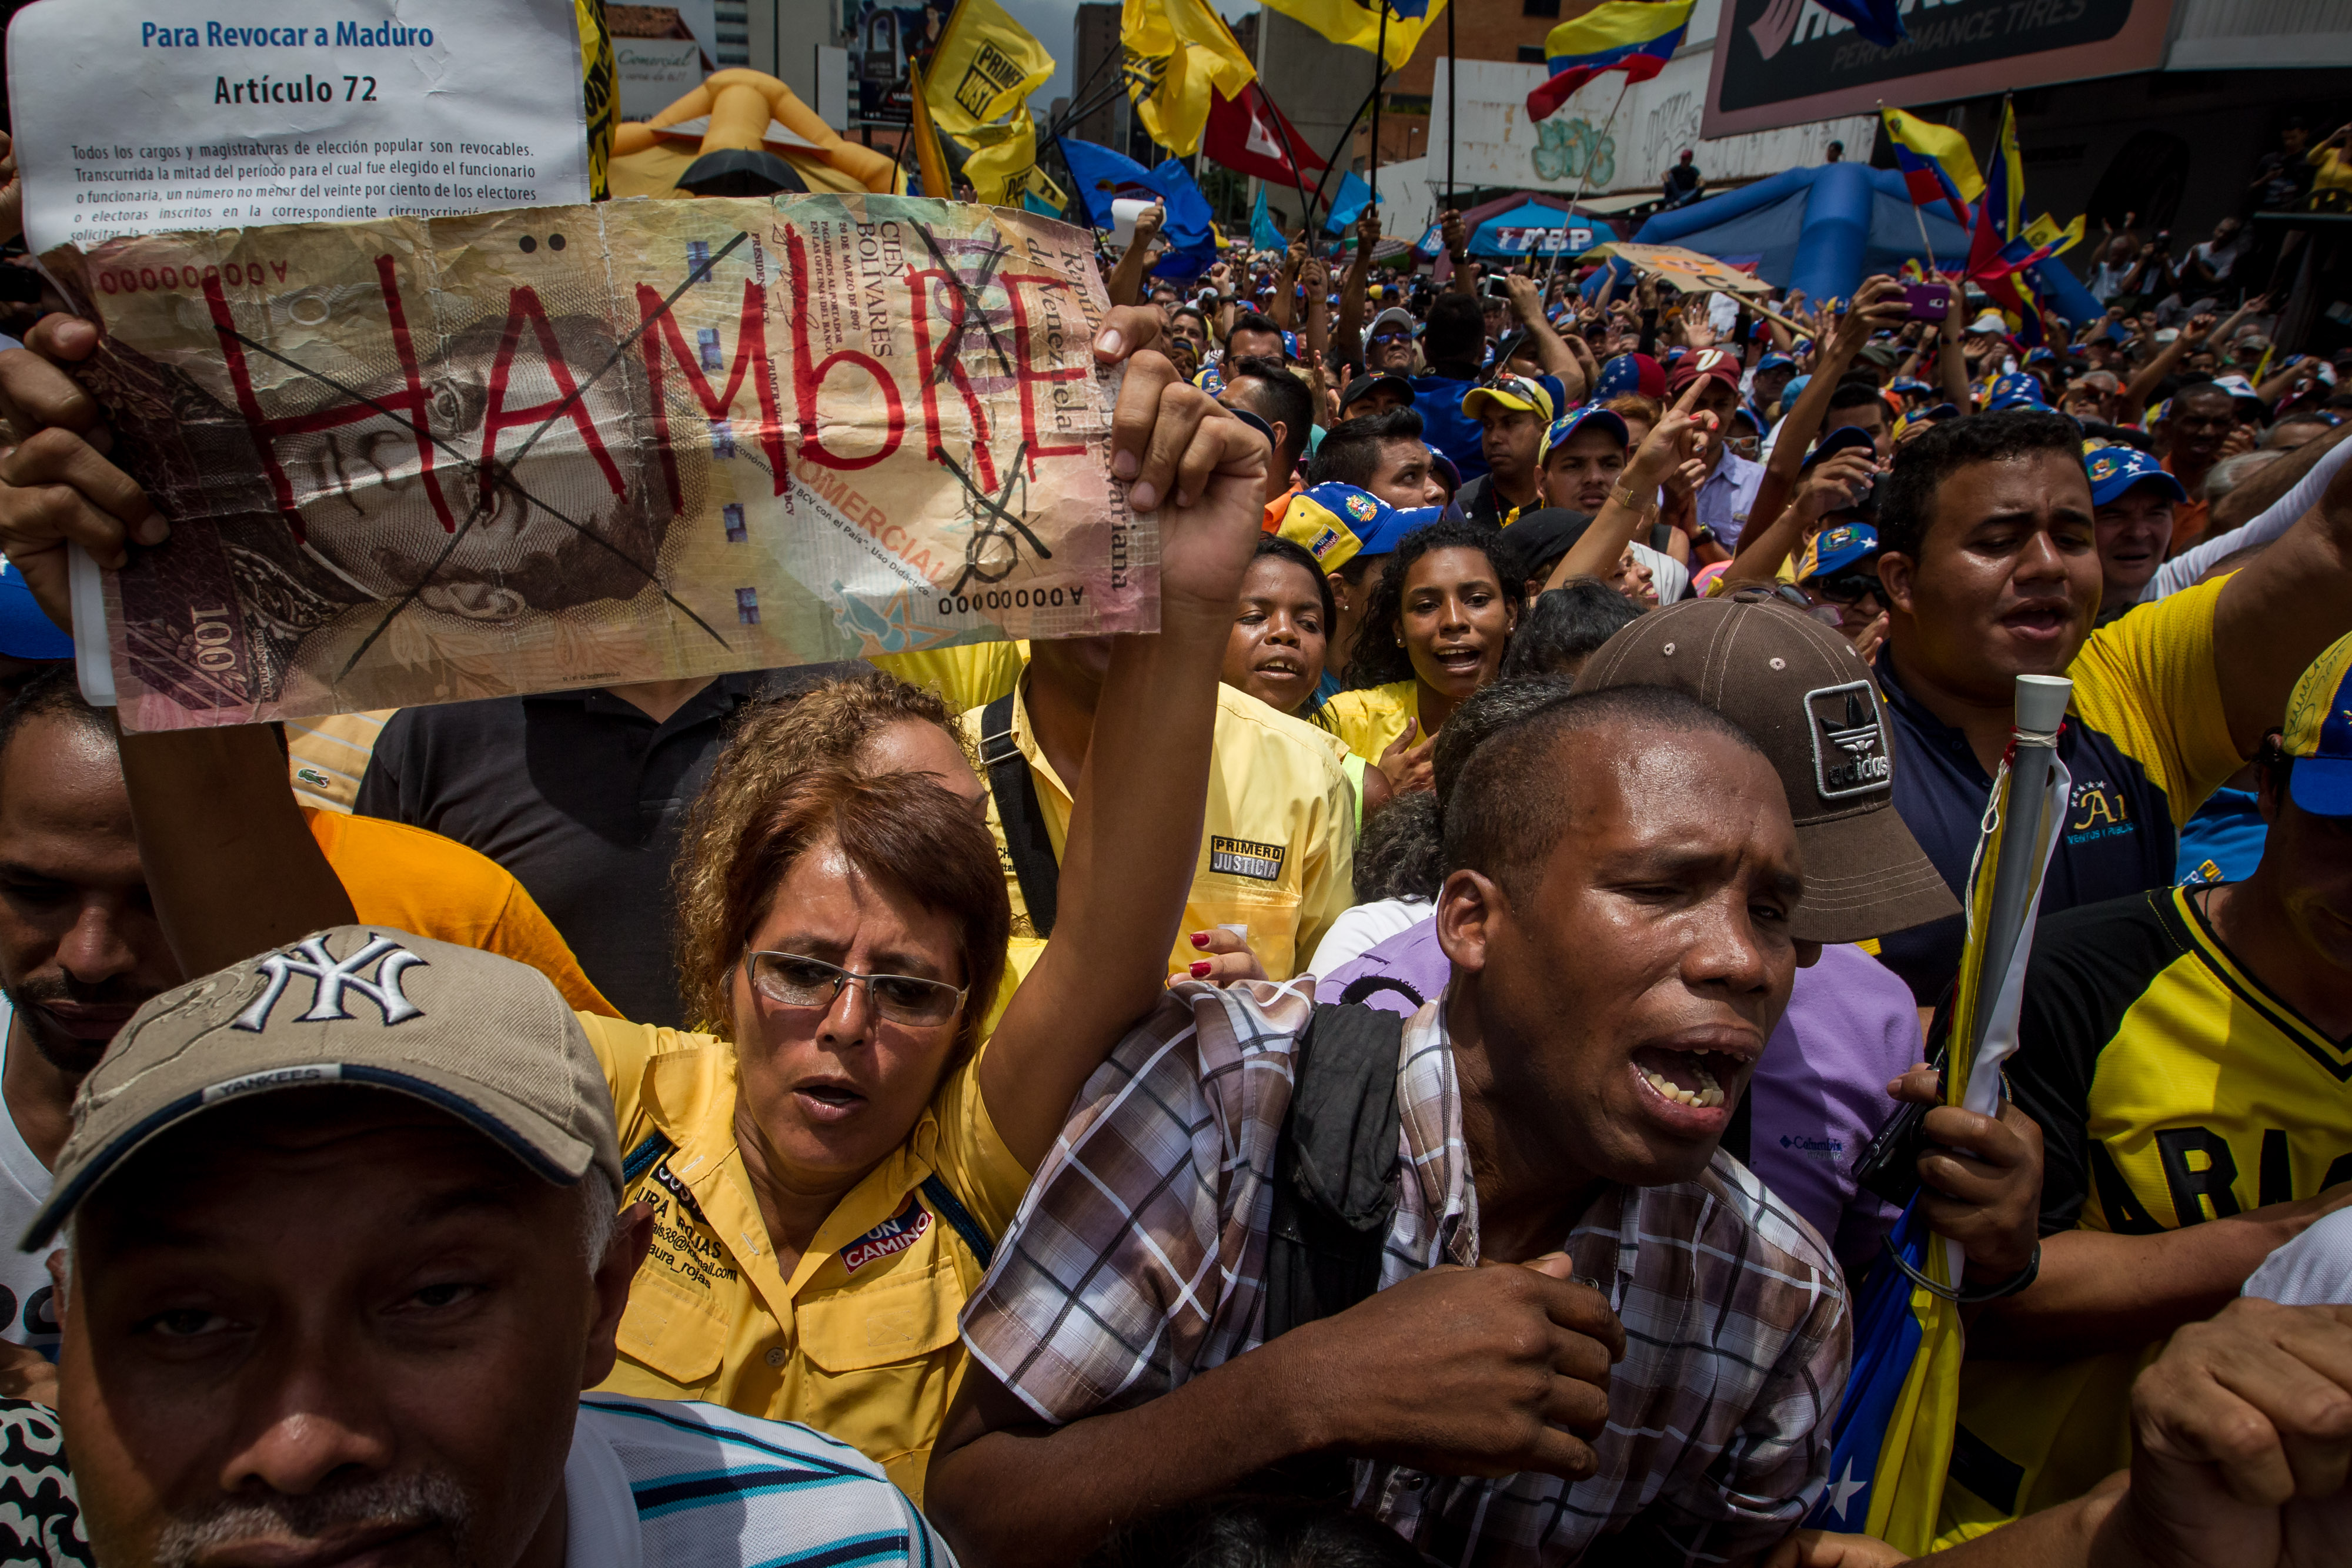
826,1163
830,1161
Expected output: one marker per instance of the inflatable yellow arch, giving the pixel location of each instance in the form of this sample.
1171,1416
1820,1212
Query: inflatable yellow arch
743,111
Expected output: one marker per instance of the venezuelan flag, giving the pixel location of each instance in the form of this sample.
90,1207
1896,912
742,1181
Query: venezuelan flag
1892,1442
1935,162
1393,29
1629,35
2004,195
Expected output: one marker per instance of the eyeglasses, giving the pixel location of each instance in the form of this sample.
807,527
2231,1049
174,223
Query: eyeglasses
1393,335
789,981
1847,587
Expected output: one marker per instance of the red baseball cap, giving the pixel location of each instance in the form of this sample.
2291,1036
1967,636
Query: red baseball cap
1717,362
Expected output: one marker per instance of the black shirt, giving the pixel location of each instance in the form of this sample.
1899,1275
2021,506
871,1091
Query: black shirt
581,797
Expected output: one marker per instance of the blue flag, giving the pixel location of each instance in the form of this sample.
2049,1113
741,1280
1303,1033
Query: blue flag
1264,235
1347,202
1101,176
1879,22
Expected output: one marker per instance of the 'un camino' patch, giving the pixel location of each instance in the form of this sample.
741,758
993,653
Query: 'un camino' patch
895,1234
1245,857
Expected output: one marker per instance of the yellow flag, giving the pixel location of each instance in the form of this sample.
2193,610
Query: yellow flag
1002,157
986,66
927,154
2044,230
1174,54
1357,24
1940,142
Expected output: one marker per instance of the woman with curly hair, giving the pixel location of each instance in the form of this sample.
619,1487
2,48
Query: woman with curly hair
822,1167
1433,632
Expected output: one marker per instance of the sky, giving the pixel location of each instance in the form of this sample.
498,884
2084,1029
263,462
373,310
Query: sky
1053,23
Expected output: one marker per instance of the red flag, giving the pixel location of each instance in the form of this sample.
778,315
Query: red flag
1248,135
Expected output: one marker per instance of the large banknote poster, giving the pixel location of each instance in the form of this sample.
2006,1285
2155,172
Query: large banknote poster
412,462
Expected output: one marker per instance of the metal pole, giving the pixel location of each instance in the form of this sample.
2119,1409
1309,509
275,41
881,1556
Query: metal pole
1451,96
2033,746
1380,75
1583,182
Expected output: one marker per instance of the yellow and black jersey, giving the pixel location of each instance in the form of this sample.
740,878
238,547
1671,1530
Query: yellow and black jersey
2172,1088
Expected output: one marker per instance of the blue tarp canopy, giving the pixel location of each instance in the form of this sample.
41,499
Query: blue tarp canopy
1533,228
1826,228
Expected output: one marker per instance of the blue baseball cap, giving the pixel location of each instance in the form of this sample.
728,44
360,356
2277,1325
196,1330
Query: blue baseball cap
1834,549
1775,362
1908,385
1790,393
1629,373
1568,423
1844,438
25,630
1336,523
2318,734
2020,391
2115,469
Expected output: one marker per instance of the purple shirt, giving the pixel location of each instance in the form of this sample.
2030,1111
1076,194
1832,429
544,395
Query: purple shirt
1818,1096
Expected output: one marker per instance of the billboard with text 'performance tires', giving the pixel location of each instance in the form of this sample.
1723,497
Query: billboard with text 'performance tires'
1786,62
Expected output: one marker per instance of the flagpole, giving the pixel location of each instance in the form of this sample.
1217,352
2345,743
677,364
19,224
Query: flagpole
1380,75
1917,212
1449,96
1339,150
1583,182
1297,175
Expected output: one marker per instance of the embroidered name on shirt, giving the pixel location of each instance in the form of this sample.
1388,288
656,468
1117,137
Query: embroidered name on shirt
677,1190
1245,857
894,1235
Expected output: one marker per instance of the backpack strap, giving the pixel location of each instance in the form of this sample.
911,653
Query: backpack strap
960,1220
1335,1168
1026,843
1364,985
1335,1186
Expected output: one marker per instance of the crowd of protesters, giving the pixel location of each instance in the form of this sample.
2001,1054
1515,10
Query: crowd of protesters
1383,1071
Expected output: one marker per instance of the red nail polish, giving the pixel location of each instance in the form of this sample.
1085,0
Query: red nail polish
1199,939
1201,970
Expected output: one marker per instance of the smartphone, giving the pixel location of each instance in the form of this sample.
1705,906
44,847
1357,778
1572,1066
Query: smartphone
1926,301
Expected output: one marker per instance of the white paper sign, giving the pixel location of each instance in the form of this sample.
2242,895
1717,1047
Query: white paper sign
141,117
661,53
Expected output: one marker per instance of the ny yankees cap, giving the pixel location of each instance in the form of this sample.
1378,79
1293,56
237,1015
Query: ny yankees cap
1806,696
483,1038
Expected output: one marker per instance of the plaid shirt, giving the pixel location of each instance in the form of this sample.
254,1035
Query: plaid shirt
1138,1259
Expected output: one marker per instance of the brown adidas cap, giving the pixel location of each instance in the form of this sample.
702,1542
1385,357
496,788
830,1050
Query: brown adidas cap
1806,695
483,1038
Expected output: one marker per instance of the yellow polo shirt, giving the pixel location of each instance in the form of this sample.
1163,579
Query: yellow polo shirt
968,675
860,1342
1370,720
1278,846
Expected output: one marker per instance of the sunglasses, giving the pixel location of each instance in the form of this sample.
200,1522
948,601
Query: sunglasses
1847,587
791,980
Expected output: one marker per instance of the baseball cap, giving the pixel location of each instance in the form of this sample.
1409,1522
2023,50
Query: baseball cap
1629,373
1834,549
1568,424
1335,523
1439,463
2318,734
1844,438
1540,538
1775,362
2238,387
1539,395
1717,362
2115,469
1806,696
1364,386
1794,390
1393,317
2020,391
25,630
1909,384
487,1040
1884,355
1989,321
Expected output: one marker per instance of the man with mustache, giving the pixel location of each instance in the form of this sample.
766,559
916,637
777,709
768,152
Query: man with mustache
344,1255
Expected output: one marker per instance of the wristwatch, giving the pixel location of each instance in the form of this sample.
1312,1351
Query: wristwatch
1703,534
